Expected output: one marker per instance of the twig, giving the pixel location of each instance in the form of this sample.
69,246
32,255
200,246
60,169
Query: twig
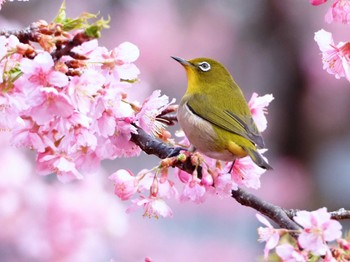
275,213
24,35
339,214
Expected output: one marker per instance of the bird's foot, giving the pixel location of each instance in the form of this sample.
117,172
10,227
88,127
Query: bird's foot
176,151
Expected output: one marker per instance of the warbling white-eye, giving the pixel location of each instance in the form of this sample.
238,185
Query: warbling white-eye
214,114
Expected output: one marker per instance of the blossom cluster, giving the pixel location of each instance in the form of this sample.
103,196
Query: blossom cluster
317,230
153,187
335,57
72,109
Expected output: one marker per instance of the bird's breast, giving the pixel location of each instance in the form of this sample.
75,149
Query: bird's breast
201,134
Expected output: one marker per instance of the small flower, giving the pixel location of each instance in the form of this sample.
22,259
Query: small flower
339,12
193,191
257,105
122,58
335,58
224,185
152,206
150,109
267,234
40,71
54,103
319,228
125,184
288,253
245,172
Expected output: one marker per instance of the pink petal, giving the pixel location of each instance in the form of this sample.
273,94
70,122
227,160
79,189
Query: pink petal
127,52
57,79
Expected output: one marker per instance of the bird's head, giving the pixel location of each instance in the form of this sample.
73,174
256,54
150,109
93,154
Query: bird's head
204,73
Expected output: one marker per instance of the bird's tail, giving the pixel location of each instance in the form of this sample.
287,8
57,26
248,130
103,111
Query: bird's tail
258,158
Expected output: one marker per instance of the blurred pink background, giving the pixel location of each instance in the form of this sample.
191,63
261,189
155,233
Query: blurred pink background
268,46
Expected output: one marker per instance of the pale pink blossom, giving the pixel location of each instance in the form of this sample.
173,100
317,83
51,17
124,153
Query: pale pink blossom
317,2
120,61
83,89
106,124
55,103
125,184
246,173
26,135
339,12
335,58
224,185
258,107
167,189
194,191
150,109
288,253
318,228
125,54
40,71
152,206
59,163
267,234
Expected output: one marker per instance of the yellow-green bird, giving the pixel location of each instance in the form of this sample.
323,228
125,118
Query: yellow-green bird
214,114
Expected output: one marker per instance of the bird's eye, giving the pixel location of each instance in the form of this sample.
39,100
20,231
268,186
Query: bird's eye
204,66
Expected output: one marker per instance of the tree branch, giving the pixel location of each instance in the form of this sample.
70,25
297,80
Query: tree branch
339,214
154,147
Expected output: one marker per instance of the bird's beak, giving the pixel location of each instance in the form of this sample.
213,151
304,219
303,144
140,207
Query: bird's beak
182,61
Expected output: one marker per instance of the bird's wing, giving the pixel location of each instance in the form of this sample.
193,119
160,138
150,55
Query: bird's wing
236,123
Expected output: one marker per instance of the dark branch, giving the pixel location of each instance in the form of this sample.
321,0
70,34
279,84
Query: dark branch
77,40
152,146
275,213
23,35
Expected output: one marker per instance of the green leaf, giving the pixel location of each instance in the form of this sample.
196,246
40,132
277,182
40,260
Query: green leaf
94,30
61,16
81,22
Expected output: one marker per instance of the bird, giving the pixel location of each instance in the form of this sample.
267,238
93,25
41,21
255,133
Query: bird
215,116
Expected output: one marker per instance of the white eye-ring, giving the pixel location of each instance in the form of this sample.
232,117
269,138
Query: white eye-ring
204,66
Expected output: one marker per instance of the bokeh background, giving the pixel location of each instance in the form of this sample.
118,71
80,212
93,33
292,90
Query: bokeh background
268,46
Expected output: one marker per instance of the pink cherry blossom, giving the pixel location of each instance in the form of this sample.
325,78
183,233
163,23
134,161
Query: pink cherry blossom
258,109
55,103
319,228
152,206
288,253
317,2
125,184
335,57
224,185
339,12
82,89
167,189
26,135
59,163
121,61
246,173
40,71
267,234
193,191
150,109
